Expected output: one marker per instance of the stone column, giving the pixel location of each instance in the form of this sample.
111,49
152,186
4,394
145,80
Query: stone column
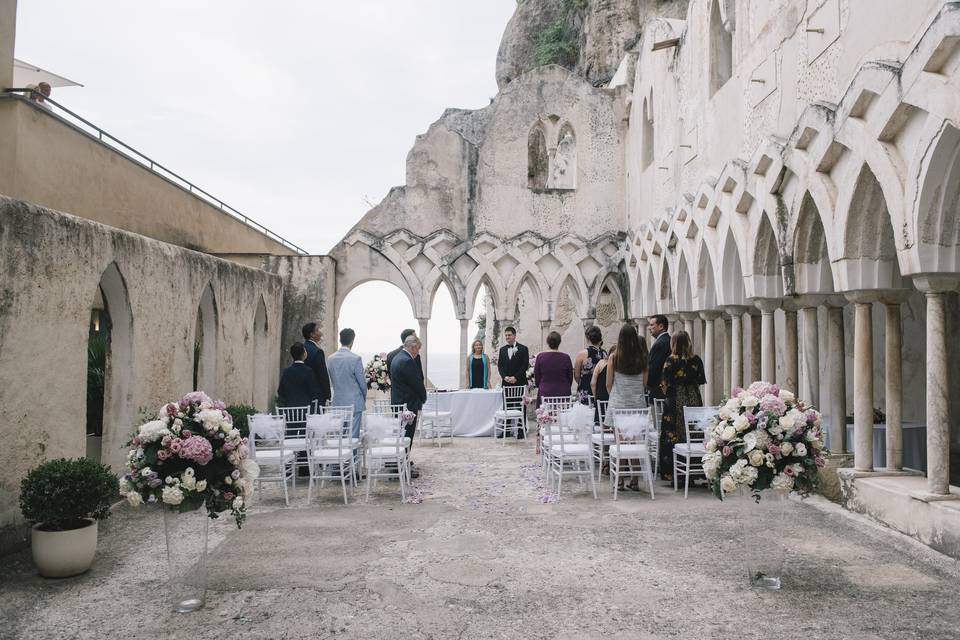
688,323
727,355
755,367
837,366
863,379
465,350
8,33
709,355
768,347
893,377
791,363
809,390
674,323
736,345
938,427
422,334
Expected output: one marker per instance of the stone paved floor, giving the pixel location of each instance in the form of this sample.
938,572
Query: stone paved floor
479,554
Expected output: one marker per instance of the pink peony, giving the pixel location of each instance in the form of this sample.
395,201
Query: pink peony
773,404
197,449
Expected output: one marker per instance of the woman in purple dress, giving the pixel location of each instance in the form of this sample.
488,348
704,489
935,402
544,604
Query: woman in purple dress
552,371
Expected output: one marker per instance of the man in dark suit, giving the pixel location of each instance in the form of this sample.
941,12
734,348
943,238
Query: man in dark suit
316,359
513,362
659,353
406,385
298,385
406,333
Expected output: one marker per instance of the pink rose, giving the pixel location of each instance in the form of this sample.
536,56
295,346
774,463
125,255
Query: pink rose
166,441
774,449
752,419
176,445
727,451
185,434
163,454
171,410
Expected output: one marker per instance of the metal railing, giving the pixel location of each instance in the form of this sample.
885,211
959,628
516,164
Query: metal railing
143,160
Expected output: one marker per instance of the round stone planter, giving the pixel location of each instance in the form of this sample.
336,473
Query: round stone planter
61,554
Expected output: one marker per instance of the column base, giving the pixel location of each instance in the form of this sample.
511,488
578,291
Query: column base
926,496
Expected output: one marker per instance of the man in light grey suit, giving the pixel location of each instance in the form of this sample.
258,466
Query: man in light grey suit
347,380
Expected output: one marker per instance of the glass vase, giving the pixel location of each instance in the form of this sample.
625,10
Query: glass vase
186,557
764,521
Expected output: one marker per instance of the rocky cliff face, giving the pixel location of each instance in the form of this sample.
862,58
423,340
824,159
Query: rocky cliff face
589,37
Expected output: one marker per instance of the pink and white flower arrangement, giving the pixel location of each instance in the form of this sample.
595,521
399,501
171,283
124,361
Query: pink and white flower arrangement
376,373
190,456
407,417
764,438
530,379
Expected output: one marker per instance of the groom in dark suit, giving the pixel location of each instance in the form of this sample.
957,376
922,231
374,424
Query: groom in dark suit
659,352
406,385
513,362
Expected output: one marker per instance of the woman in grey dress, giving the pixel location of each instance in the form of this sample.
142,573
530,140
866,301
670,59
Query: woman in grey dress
626,373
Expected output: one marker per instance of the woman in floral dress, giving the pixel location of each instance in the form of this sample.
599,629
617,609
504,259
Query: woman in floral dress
586,360
683,373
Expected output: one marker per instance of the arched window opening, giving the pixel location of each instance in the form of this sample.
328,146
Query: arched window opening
206,331
721,49
563,169
262,365
538,161
647,141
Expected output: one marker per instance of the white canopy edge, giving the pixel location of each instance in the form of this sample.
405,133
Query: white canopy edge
25,74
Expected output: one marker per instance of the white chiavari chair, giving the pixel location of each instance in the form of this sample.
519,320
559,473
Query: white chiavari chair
568,443
513,414
267,449
435,423
688,456
329,450
629,455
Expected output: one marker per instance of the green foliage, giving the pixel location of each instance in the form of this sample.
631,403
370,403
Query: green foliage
557,44
96,379
240,413
59,493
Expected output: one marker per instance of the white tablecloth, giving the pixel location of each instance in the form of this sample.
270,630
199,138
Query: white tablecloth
472,410
914,444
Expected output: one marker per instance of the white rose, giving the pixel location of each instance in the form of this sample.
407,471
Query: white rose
237,502
134,498
711,462
786,396
727,485
733,404
800,450
786,449
189,482
172,495
756,458
170,480
725,413
728,433
711,445
201,485
786,422
749,401
741,424
781,482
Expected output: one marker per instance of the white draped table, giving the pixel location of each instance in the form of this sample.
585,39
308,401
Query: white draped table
472,410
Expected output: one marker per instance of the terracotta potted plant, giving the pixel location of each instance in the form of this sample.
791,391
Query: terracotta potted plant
65,499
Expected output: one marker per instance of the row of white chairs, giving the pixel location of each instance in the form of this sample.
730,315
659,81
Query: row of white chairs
323,442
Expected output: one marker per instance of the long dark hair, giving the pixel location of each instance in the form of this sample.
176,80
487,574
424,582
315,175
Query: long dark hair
631,357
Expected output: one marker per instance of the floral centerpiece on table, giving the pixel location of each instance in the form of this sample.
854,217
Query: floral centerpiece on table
189,456
764,438
377,374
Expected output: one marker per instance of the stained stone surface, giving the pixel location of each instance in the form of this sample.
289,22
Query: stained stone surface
483,551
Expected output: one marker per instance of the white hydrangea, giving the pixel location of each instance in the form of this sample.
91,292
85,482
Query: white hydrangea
781,482
212,419
153,431
172,495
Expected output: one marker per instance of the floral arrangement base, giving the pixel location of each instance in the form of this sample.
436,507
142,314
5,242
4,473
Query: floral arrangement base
186,533
764,519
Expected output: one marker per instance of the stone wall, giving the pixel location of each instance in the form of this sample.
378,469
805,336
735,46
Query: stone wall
50,267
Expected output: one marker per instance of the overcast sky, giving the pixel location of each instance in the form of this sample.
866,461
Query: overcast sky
298,113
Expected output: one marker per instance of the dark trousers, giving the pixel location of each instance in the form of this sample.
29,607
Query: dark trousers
409,431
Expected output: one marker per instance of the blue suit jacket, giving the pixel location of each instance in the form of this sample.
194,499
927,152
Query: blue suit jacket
346,378
298,386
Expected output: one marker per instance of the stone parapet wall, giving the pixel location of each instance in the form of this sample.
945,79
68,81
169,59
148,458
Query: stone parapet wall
51,265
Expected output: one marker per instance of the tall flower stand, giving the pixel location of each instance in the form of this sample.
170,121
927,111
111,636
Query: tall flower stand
764,520
186,534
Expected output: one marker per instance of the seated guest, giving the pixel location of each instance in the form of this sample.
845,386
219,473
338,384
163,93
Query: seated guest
478,367
298,385
553,370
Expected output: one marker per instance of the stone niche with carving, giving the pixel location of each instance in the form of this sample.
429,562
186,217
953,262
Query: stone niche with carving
552,156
